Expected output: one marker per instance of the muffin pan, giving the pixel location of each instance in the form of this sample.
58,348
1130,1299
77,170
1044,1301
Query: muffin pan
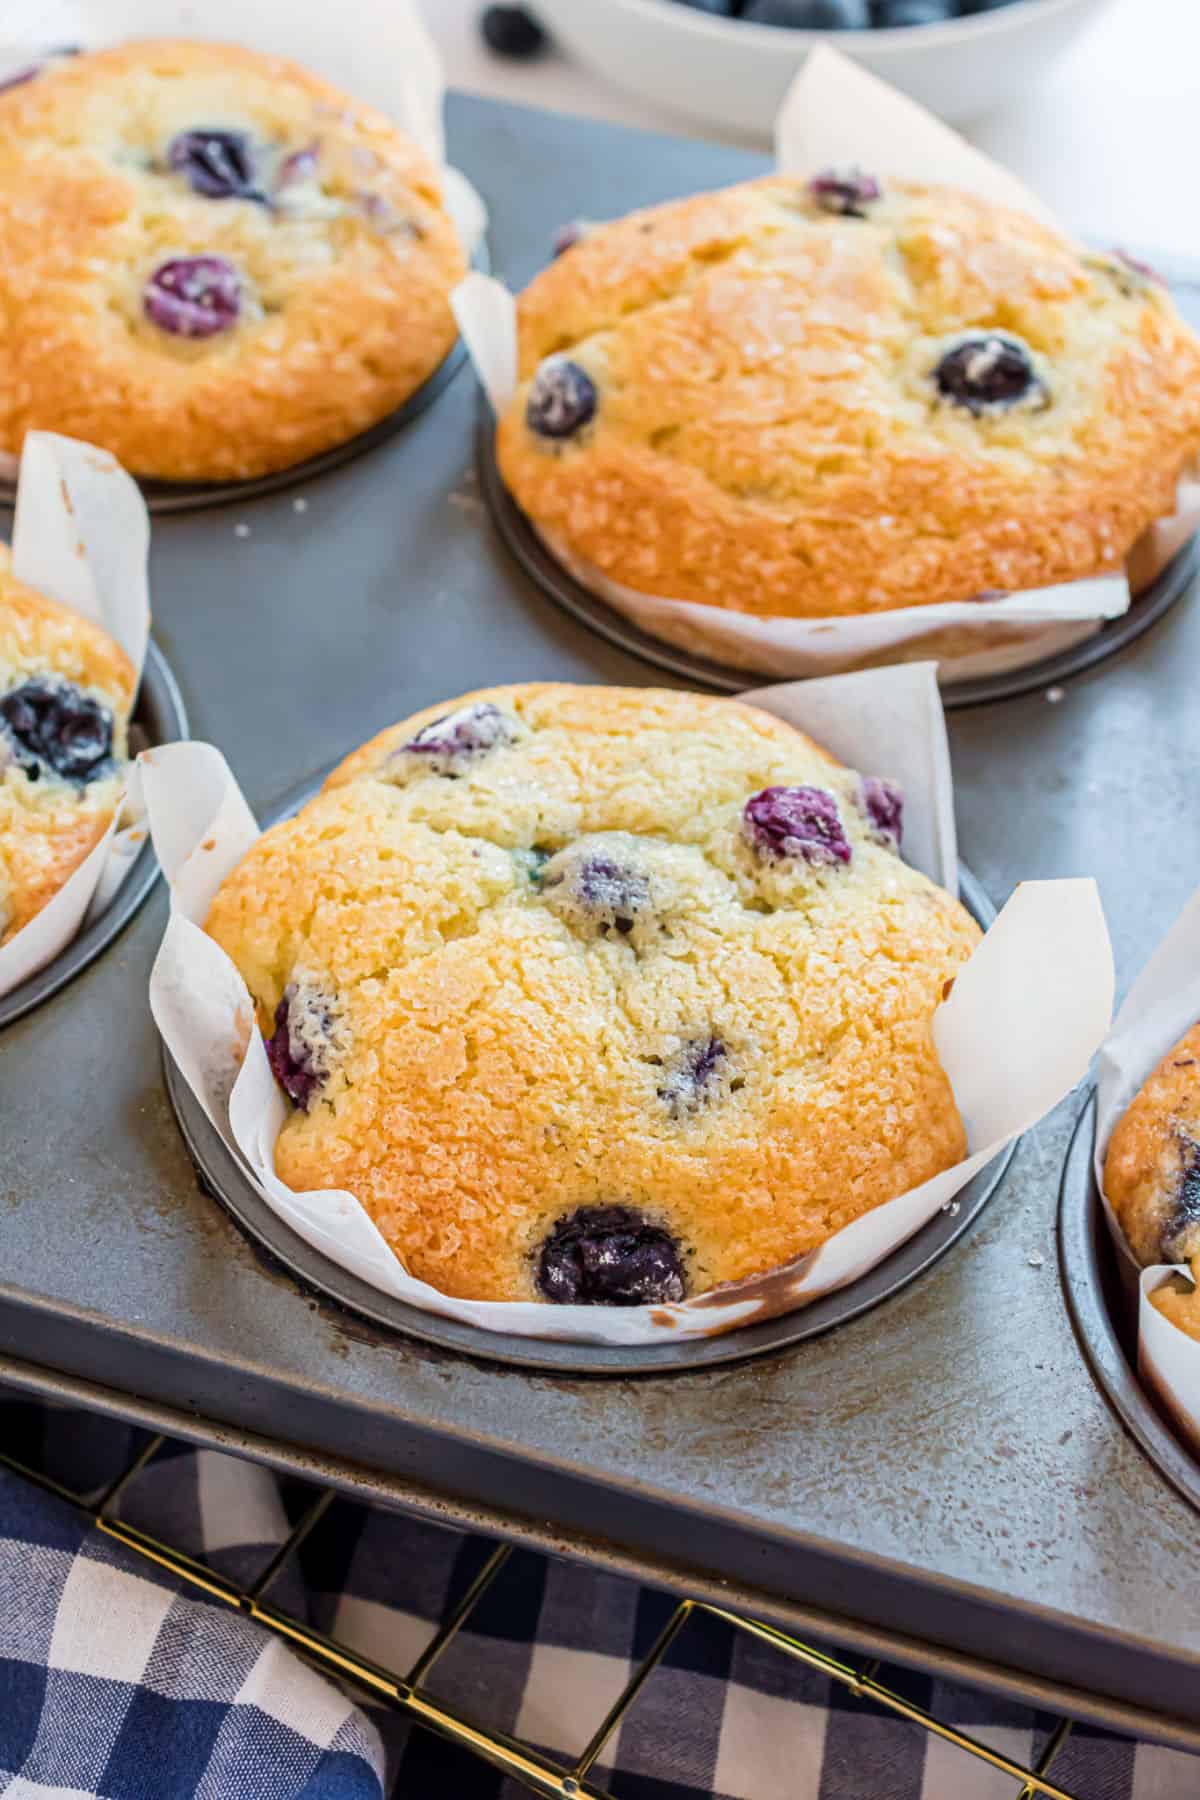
564,588
940,1477
159,718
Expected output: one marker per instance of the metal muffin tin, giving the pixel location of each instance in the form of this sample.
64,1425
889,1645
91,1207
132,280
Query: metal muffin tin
158,718
940,1478
222,1174
1104,1315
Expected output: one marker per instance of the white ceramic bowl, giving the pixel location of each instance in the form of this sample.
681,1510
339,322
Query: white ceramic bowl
733,75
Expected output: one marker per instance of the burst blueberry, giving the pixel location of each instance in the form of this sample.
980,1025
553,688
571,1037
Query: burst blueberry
845,192
54,729
298,1049
988,372
883,803
599,888
795,822
610,1256
449,745
193,296
562,399
218,164
694,1076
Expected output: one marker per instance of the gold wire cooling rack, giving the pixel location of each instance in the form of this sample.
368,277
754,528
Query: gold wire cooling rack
408,1695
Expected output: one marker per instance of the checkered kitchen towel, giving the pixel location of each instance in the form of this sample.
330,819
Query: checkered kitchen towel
113,1683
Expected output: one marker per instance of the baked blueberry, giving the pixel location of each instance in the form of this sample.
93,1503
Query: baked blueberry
598,887
511,31
54,729
19,77
694,1076
988,372
449,745
803,822
1181,1226
298,1050
218,164
562,398
809,15
609,1256
193,296
883,803
847,192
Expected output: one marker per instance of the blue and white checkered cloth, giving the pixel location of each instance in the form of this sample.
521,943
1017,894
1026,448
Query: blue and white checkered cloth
114,1683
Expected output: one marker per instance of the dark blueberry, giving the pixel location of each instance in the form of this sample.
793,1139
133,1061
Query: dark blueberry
52,727
891,14
883,803
298,1049
193,296
449,745
610,1256
693,1076
562,398
989,371
511,31
218,164
20,76
1180,1239
796,821
845,191
609,893
809,15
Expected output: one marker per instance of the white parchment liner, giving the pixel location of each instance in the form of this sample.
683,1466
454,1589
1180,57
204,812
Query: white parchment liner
82,536
837,114
1162,1004
381,54
1019,1030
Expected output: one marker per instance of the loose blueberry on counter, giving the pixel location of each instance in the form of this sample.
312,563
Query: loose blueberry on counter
512,31
609,893
799,822
449,745
691,1078
609,1256
809,15
847,192
562,398
53,728
298,1047
883,803
193,296
989,371
218,164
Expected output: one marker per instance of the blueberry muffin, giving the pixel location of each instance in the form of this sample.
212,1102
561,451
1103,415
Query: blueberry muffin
211,262
65,693
598,994
841,397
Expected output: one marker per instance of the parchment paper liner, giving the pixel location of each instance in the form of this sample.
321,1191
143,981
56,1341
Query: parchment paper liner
1019,1030
837,114
1162,1004
81,535
381,54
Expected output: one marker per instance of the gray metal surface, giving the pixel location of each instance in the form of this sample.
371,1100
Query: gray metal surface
1104,1312
941,1471
556,581
222,1174
159,718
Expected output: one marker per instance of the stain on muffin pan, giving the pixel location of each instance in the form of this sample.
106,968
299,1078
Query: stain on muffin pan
158,718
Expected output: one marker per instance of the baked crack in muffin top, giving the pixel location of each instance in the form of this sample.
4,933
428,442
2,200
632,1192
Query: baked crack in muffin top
841,397
66,689
597,994
212,263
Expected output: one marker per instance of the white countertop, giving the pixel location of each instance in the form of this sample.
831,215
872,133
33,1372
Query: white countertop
1110,138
